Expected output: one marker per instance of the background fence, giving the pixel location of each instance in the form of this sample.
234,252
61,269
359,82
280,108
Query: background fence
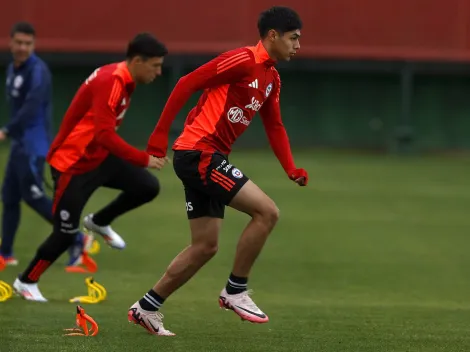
388,75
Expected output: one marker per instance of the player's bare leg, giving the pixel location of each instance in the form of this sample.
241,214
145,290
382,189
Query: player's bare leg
264,215
204,245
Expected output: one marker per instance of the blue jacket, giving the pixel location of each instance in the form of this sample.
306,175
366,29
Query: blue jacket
29,96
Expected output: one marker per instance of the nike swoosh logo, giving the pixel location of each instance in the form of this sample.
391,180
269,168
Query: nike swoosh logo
253,313
153,327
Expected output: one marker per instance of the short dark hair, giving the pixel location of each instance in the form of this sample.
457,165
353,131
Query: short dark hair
146,46
280,18
23,27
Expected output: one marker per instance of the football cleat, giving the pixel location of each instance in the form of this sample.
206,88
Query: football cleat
108,234
29,292
151,321
243,305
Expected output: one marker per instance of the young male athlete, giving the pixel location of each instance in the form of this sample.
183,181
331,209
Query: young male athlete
88,153
236,85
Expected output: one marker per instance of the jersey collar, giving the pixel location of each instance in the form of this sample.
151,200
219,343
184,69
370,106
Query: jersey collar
122,66
262,55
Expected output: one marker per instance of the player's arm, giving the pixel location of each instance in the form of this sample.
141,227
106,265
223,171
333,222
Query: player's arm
34,97
224,69
277,135
107,94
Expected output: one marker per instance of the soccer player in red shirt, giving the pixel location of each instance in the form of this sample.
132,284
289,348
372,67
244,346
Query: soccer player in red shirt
236,85
87,153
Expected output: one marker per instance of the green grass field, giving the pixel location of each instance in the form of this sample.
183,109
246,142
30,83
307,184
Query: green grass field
372,256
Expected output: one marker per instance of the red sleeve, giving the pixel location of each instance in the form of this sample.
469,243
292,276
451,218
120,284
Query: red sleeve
106,96
271,116
224,69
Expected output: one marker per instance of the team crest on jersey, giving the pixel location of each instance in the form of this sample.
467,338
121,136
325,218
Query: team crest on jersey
269,88
64,215
18,82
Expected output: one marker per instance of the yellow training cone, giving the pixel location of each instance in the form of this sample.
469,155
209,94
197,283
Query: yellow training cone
96,293
6,291
94,248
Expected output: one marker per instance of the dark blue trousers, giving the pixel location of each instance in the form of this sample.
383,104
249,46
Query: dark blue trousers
23,181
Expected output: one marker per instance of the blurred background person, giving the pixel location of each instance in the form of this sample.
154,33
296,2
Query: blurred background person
29,98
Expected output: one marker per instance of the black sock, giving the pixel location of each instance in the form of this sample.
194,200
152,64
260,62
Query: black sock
152,301
51,249
236,284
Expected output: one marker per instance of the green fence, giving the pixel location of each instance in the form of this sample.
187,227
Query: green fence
332,109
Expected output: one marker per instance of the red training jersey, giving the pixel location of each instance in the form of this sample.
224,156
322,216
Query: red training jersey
237,84
88,131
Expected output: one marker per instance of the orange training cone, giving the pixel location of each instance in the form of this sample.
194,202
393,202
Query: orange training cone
82,319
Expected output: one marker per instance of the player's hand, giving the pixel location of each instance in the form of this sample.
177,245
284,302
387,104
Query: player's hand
157,163
299,176
3,135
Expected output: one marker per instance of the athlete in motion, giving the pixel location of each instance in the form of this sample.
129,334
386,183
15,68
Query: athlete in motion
88,153
236,85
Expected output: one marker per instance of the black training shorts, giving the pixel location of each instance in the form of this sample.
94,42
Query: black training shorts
210,182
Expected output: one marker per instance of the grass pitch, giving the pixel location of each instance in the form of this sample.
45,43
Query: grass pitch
372,256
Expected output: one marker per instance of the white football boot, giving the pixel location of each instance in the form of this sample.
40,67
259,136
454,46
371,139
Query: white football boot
151,321
243,305
108,234
29,292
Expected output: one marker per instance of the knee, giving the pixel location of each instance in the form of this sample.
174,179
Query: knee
268,214
149,189
206,250
209,250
